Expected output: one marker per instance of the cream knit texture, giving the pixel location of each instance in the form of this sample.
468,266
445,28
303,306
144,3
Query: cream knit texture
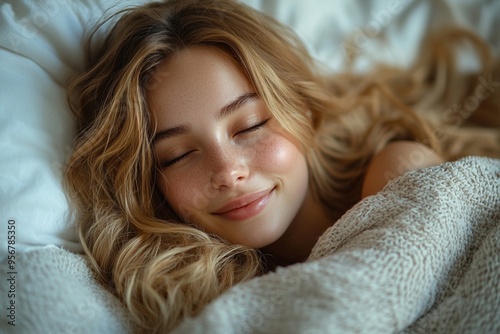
421,256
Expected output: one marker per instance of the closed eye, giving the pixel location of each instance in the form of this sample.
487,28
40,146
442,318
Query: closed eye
173,161
178,159
255,127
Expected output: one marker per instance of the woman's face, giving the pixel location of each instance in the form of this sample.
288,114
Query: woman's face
225,163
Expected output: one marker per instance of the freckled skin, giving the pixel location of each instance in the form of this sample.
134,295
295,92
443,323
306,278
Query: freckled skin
221,158
224,162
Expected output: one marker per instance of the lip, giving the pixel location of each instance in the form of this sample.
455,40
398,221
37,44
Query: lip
246,206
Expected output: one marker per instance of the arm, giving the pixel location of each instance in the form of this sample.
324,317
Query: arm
394,160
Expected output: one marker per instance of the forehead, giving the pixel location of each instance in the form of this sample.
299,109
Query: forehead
193,81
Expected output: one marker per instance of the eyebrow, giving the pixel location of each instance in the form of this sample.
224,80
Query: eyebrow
224,112
236,104
171,132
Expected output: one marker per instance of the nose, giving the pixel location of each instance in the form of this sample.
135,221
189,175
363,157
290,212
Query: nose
229,168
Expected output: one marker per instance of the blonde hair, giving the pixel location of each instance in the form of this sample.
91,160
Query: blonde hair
164,269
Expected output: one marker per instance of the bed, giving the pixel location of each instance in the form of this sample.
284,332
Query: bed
421,256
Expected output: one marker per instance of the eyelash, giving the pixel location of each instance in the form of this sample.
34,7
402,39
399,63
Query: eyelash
171,162
256,127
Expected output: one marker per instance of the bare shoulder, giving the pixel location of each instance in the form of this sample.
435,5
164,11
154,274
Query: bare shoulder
394,160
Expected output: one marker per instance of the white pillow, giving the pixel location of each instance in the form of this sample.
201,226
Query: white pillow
42,46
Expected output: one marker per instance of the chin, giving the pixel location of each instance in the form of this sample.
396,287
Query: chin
262,237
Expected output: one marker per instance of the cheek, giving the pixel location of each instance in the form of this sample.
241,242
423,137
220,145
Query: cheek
285,162
280,155
185,192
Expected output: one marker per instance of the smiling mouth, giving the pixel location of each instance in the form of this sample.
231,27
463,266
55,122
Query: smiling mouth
245,207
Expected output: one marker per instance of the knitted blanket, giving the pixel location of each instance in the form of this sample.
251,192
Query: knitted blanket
421,256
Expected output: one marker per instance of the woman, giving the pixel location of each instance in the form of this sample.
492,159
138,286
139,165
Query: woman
205,157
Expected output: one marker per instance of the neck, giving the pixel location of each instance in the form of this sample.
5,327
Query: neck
296,243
